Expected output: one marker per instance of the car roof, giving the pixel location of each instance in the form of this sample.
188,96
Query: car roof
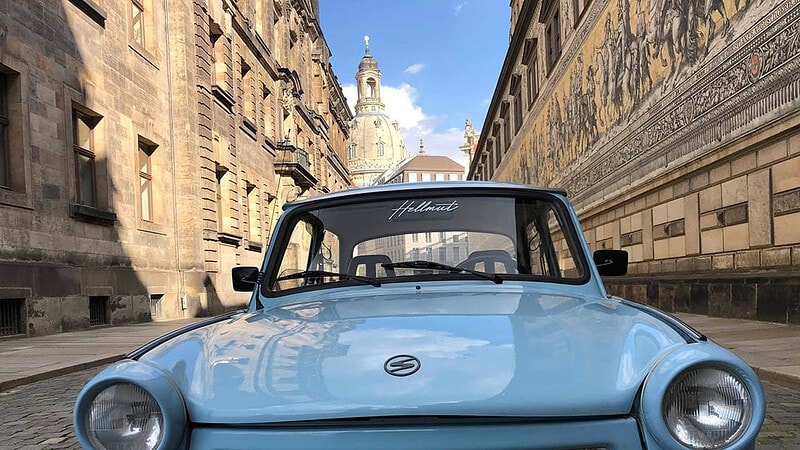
486,186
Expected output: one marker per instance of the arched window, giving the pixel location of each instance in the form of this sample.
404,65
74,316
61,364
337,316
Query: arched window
381,146
352,151
372,91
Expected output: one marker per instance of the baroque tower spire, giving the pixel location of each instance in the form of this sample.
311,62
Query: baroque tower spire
368,79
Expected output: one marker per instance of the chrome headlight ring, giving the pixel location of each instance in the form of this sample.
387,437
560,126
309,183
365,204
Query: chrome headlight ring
130,405
701,396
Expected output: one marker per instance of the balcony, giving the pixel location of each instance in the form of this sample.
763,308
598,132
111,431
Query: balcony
293,162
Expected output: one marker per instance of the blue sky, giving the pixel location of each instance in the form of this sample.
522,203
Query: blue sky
439,61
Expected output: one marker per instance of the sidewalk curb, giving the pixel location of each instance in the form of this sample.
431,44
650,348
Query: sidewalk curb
9,384
783,379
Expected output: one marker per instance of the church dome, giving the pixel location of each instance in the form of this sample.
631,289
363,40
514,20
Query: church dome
375,143
376,137
368,63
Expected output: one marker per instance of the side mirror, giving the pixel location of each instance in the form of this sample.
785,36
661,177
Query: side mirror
244,278
611,263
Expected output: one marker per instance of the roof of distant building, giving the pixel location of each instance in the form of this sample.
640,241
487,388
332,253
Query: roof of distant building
431,163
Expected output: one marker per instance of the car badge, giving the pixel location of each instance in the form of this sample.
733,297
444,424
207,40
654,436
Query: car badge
402,365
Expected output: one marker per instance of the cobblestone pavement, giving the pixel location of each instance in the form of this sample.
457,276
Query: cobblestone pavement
38,416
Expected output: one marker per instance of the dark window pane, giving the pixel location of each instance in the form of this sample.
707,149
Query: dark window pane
86,179
3,155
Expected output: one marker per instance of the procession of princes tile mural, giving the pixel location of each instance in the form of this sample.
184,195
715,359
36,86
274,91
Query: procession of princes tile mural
651,74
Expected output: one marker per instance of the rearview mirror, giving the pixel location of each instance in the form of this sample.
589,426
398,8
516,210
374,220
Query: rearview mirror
244,278
611,263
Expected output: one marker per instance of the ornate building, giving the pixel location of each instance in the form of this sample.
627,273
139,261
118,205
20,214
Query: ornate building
675,128
375,143
147,146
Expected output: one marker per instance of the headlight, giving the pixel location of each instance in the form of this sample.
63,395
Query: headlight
707,408
124,416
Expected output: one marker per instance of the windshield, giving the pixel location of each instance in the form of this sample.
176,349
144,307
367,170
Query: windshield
426,238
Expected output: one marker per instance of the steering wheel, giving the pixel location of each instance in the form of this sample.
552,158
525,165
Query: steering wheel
489,258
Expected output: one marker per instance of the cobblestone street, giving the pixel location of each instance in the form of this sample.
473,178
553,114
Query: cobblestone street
39,415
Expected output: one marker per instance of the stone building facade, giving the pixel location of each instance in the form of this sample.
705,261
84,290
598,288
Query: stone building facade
147,146
675,128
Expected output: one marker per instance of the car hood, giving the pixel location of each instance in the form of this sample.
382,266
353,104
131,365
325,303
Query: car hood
502,353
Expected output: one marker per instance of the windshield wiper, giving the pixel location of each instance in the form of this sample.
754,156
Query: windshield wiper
323,273
438,266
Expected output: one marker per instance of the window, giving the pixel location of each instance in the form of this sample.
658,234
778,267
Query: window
516,90
552,34
248,98
442,254
98,311
456,253
426,177
439,177
415,238
427,237
380,148
219,67
155,306
506,128
495,143
412,177
454,176
12,320
531,61
83,145
4,175
14,179
269,113
145,156
352,151
579,6
253,216
221,178
137,22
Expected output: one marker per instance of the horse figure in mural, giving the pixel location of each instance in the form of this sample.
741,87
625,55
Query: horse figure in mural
717,6
668,29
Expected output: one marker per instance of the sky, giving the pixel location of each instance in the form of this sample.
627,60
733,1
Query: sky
439,60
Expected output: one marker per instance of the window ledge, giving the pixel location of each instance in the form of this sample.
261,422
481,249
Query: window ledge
255,246
269,146
91,9
146,55
223,97
13,198
228,238
93,215
249,128
151,227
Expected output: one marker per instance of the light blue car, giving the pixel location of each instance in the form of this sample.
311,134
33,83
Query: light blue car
464,315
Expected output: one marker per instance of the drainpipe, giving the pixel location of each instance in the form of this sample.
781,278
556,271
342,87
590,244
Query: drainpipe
181,276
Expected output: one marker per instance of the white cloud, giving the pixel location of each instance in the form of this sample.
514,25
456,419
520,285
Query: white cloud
415,124
414,69
460,6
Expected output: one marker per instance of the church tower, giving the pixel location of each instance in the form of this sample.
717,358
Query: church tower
375,143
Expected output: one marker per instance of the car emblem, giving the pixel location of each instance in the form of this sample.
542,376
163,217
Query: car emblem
402,365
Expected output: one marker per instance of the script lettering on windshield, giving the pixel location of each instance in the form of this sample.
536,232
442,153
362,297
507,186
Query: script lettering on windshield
422,209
